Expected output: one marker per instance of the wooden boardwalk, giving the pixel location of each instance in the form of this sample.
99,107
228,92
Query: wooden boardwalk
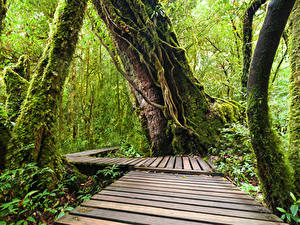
177,164
159,198
166,190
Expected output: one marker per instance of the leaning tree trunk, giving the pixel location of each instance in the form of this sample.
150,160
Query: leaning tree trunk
33,135
294,115
247,39
275,174
179,115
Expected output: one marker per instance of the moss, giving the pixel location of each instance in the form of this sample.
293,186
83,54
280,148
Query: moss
294,114
274,172
33,136
16,87
2,13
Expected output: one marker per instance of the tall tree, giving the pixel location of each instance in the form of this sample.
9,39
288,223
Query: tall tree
276,176
180,117
33,135
2,13
294,115
247,38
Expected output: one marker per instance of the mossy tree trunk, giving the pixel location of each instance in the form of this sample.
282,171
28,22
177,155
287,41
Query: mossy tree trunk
16,90
276,176
294,115
2,13
247,39
33,135
180,117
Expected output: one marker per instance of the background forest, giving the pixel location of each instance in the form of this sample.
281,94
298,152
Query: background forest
98,109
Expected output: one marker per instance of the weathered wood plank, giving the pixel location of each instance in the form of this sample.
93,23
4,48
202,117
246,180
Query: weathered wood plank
196,181
187,207
194,196
156,162
164,162
154,211
182,199
134,162
180,190
203,164
93,152
206,188
186,163
82,220
141,162
149,162
195,164
129,217
178,162
171,162
181,171
181,184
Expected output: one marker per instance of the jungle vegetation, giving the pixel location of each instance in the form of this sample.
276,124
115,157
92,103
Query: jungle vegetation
218,79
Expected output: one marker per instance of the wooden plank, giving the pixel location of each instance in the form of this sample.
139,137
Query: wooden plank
178,176
82,220
141,162
129,217
164,162
170,164
203,164
154,211
206,188
178,162
92,152
130,161
181,171
180,184
200,181
195,164
135,161
186,163
187,195
211,164
149,162
180,190
160,196
125,161
156,162
187,207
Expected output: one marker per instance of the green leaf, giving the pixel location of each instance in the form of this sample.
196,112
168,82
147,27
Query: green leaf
60,215
293,196
294,210
2,223
31,219
281,210
297,220
282,217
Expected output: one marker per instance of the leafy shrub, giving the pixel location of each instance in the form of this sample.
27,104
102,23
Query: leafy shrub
234,155
292,214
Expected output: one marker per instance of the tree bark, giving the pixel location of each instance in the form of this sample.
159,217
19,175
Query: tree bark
294,114
2,13
180,117
247,39
276,176
33,135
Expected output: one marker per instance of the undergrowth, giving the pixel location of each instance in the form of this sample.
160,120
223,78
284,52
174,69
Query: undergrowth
24,201
235,158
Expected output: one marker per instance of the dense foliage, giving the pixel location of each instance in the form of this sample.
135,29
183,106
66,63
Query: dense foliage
97,108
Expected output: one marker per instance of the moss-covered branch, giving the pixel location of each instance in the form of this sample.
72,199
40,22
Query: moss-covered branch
294,115
33,136
276,176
